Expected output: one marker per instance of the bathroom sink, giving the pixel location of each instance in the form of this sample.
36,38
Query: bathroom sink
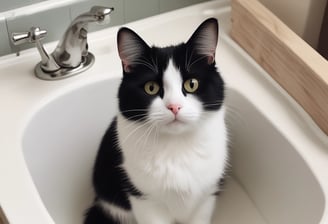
50,132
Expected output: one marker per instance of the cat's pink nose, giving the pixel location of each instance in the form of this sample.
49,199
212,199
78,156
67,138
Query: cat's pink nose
174,108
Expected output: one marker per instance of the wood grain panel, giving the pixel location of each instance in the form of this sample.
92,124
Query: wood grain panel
297,67
3,219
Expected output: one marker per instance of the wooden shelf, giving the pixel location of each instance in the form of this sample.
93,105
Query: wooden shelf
296,66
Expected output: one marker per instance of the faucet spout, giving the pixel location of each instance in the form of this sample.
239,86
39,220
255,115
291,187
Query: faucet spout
101,14
73,47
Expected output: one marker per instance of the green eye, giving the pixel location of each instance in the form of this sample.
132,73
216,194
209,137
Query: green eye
191,85
151,88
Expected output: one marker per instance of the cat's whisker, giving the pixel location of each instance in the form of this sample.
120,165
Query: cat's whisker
212,104
145,134
134,110
135,121
157,117
216,102
155,138
142,137
186,56
134,131
149,133
141,123
155,64
189,60
143,115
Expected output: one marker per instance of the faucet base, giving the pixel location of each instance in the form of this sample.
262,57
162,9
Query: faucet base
63,73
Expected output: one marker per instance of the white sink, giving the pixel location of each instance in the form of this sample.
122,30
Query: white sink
50,132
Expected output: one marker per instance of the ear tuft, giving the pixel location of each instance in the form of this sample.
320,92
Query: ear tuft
204,40
130,47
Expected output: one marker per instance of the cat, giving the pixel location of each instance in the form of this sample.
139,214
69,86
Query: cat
164,154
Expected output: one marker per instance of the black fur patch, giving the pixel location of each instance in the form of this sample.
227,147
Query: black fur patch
96,215
193,65
110,181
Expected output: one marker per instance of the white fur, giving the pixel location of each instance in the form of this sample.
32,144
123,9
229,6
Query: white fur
175,162
190,110
117,212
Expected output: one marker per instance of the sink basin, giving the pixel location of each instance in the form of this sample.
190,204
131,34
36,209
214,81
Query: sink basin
268,181
50,132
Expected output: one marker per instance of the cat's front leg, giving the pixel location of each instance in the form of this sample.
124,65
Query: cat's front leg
150,212
204,212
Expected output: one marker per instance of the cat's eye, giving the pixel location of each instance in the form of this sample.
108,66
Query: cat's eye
151,88
191,85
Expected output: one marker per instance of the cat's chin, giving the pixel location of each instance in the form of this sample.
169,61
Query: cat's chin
177,127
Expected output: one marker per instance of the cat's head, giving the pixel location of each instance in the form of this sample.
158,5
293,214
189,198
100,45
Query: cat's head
175,87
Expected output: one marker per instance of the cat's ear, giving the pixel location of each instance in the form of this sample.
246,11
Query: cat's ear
130,47
204,40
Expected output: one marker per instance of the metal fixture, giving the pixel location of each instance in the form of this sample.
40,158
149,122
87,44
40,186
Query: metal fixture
71,56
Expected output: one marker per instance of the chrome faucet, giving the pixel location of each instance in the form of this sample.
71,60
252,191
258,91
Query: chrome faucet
71,55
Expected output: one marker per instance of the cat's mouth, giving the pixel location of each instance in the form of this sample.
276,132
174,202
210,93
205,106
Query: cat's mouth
176,121
176,126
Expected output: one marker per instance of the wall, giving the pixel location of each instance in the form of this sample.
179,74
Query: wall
56,15
304,17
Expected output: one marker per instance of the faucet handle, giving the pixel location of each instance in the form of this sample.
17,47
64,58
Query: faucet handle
35,34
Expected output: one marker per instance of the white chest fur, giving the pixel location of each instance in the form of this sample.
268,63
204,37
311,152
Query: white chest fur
175,169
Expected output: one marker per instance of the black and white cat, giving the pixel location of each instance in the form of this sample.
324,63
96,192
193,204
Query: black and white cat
161,160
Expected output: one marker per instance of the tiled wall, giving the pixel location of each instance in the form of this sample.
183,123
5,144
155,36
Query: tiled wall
56,15
6,5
